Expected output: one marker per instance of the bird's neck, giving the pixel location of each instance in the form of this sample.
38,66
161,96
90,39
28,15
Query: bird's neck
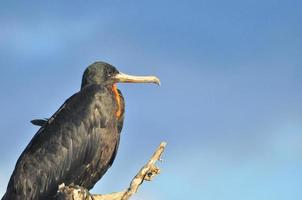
118,101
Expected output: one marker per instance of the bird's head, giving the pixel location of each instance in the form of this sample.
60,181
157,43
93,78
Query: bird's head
106,74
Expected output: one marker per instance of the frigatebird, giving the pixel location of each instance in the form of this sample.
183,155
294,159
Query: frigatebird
79,142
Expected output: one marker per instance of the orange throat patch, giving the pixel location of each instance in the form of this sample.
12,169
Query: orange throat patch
118,101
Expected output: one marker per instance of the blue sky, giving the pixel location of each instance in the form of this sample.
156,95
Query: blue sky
229,105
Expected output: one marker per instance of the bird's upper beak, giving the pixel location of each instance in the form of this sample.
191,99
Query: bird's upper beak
125,78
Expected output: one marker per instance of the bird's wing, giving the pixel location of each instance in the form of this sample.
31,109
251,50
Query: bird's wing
60,150
33,162
44,122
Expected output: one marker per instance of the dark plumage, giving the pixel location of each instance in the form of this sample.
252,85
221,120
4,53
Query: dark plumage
79,142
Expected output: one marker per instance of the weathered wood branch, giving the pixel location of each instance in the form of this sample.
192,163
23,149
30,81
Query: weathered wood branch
146,173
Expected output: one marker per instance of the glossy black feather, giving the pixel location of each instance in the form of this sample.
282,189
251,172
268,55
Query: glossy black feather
77,145
39,122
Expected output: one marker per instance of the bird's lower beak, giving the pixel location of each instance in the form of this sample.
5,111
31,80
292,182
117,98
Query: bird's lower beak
125,78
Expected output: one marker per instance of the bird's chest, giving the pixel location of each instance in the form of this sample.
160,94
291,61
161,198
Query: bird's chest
101,131
107,109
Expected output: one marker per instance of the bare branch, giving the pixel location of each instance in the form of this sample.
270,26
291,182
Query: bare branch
147,172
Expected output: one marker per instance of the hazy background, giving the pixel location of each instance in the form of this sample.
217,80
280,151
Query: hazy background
230,104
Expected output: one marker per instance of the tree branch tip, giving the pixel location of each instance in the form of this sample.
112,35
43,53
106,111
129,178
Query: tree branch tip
163,144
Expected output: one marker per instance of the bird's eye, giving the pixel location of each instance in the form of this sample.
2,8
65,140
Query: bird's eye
110,72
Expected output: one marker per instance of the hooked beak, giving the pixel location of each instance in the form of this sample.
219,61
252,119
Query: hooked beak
125,78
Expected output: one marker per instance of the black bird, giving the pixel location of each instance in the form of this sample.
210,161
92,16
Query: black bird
79,142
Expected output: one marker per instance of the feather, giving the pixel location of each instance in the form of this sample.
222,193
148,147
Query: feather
76,145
